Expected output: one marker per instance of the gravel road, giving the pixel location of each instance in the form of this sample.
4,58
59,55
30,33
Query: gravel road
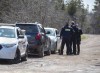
87,62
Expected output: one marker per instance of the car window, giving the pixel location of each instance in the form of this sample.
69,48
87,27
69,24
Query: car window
41,30
28,27
51,32
5,32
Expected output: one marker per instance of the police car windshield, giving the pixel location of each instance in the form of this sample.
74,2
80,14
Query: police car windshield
5,32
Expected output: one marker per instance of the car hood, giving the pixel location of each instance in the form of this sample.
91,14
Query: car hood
4,40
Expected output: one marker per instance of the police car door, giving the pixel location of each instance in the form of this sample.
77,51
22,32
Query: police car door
21,42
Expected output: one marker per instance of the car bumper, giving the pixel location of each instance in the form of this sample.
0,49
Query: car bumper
8,53
33,48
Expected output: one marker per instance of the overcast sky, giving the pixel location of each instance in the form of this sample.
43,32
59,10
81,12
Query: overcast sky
88,2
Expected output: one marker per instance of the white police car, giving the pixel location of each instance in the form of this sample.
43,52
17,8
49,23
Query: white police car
13,44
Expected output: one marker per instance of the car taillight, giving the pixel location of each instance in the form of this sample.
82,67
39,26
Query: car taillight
38,36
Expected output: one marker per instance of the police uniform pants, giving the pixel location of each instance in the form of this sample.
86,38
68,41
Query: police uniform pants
73,46
67,42
78,46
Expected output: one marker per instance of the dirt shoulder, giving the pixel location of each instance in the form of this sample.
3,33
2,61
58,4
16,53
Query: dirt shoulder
87,62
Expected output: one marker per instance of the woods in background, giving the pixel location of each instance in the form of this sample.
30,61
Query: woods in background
95,18
47,12
51,13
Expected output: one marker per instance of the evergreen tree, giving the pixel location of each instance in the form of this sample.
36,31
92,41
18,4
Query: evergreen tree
72,8
96,17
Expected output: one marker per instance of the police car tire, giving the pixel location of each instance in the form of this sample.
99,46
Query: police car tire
24,58
17,58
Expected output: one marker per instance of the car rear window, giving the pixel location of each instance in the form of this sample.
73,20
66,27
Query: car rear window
30,28
52,33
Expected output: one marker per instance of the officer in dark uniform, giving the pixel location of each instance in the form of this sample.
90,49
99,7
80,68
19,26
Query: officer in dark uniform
78,39
66,34
73,42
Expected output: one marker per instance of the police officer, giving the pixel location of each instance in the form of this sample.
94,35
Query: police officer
66,34
78,39
73,42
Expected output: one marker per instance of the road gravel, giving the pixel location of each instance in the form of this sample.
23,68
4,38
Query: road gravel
87,62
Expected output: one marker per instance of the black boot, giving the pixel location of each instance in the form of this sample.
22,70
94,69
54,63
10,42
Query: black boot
60,52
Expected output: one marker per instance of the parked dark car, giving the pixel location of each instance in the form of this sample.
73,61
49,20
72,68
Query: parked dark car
39,43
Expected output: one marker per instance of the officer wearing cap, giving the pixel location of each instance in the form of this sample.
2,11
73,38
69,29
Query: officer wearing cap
65,35
74,38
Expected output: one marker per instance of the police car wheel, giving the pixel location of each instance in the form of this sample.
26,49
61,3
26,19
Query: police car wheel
17,58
